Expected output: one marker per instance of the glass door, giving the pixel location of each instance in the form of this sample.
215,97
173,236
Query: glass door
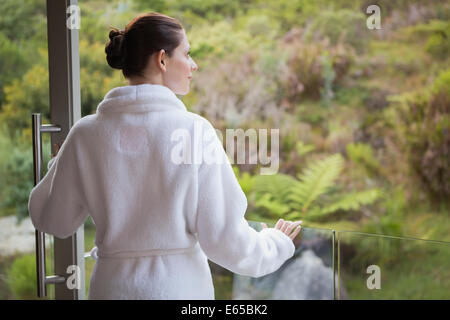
56,269
23,90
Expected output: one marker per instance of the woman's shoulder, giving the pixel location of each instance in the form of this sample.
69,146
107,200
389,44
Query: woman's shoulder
198,119
82,125
185,120
85,122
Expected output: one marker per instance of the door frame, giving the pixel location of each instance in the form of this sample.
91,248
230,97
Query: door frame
65,110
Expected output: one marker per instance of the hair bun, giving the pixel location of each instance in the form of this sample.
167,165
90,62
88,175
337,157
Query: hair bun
115,33
115,49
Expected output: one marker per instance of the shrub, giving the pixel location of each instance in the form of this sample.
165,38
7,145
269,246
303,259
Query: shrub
313,69
313,197
21,278
436,33
339,26
423,134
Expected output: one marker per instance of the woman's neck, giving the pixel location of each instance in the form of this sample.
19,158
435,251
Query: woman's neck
136,80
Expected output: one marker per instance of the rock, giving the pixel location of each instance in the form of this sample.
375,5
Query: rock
17,238
305,277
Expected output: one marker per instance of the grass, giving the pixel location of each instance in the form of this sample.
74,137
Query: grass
89,263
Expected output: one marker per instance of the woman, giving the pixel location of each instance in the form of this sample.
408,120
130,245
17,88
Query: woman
157,220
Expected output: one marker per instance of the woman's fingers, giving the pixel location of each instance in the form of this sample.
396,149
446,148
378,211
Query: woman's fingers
291,229
263,225
279,224
285,225
292,226
295,233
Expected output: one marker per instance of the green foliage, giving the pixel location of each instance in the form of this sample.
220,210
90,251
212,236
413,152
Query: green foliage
350,201
312,197
315,180
290,13
391,219
12,63
154,5
219,40
424,134
329,76
305,73
21,278
303,148
362,154
16,170
18,16
246,180
277,186
437,33
339,26
314,69
24,97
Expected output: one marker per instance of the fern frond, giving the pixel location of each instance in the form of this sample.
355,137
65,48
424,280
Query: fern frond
278,185
303,148
315,180
273,206
350,201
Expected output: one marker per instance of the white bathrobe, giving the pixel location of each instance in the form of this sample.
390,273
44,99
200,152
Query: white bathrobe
158,219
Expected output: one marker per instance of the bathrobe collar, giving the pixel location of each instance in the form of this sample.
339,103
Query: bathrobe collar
140,98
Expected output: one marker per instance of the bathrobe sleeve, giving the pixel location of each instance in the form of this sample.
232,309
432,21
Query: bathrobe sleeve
56,204
222,231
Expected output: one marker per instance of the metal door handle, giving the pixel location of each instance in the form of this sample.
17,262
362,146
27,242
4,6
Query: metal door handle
42,279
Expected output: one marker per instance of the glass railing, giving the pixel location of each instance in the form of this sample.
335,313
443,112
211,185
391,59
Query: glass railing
348,265
342,265
374,266
308,275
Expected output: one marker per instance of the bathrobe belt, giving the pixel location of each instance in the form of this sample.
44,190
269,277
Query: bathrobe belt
95,253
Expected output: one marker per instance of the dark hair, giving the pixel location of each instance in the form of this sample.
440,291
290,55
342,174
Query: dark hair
128,50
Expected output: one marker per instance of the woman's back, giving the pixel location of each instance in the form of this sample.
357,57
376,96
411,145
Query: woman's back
141,199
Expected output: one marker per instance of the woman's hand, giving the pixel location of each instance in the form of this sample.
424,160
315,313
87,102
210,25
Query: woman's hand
291,229
57,147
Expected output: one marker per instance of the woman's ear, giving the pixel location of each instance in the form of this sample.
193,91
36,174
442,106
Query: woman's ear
162,59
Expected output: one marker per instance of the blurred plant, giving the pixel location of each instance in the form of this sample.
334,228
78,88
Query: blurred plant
239,93
16,170
246,180
18,16
424,134
24,97
313,197
303,148
21,278
437,34
391,220
12,63
313,68
362,154
305,72
329,76
339,26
